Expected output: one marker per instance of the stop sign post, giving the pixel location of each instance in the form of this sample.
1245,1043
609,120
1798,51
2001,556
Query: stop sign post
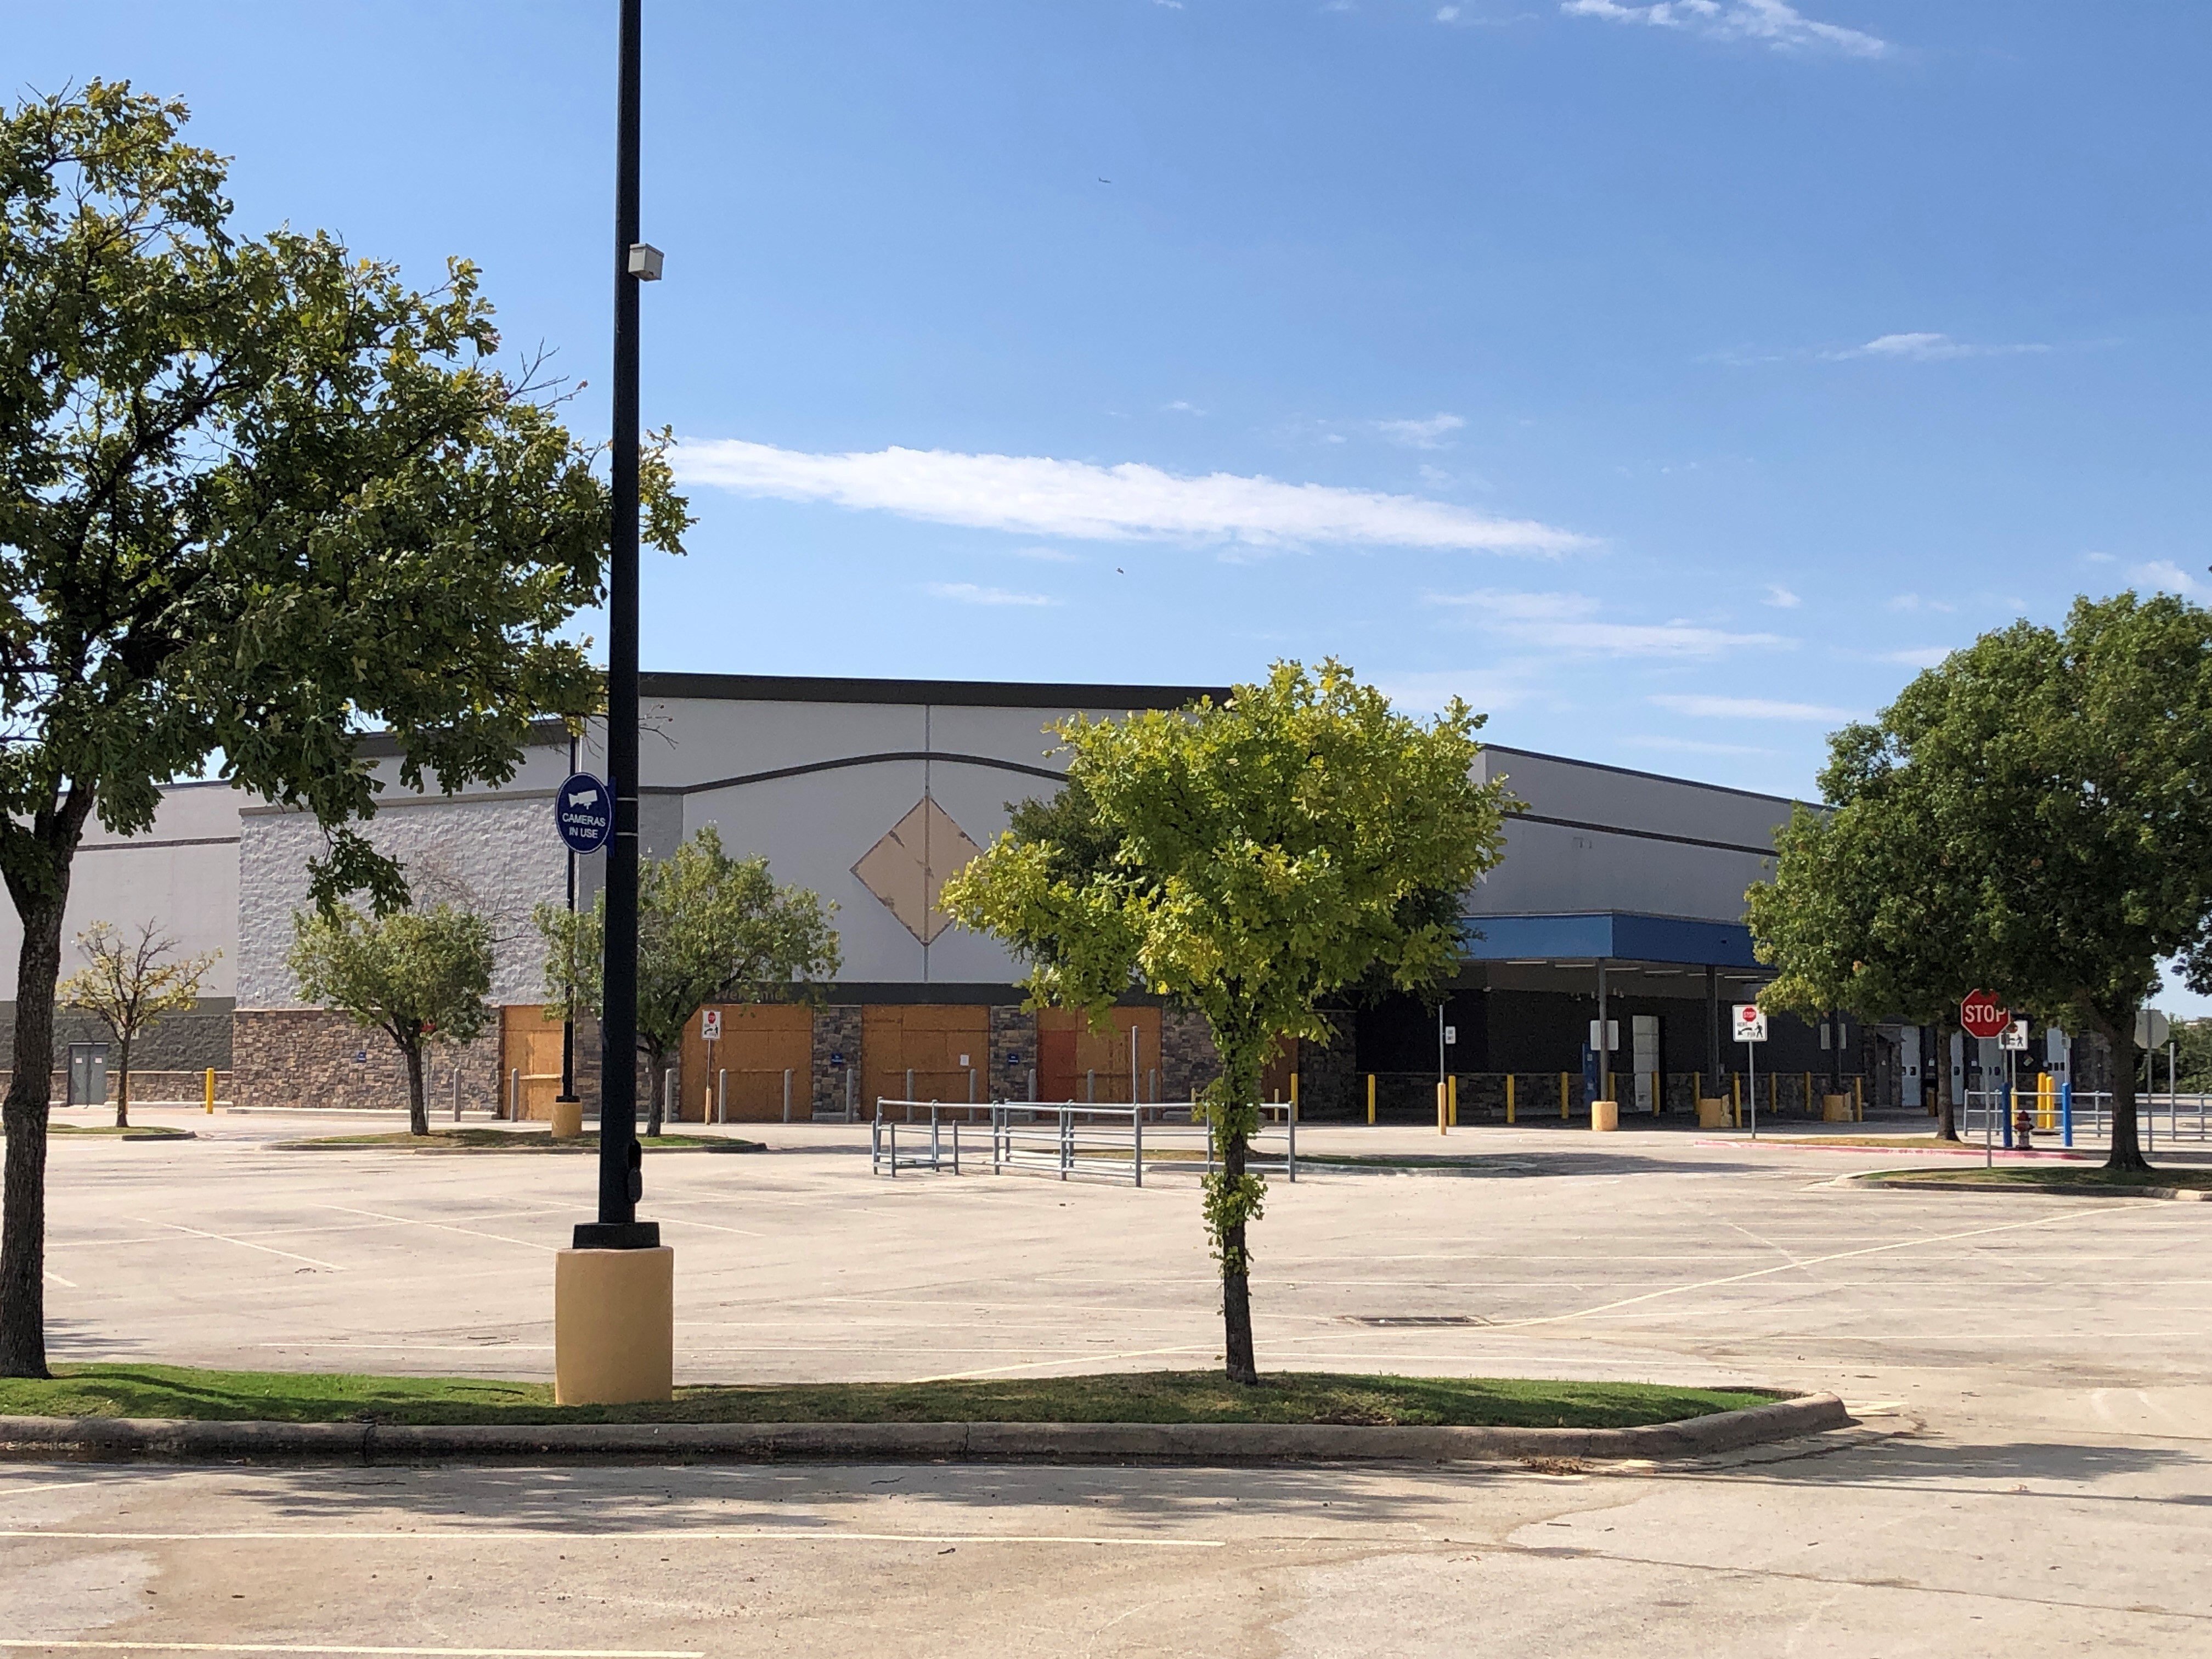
1750,1025
1983,1015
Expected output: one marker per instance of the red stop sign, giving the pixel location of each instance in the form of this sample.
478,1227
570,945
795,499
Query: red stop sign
1982,1015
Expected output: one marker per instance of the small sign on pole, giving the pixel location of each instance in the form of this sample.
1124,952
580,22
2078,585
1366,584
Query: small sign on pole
710,1025
2013,1037
584,813
1750,1023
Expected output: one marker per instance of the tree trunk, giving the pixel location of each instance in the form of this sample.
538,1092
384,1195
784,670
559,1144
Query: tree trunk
23,1188
2127,1150
1241,1363
418,1104
656,1071
123,1084
1947,1110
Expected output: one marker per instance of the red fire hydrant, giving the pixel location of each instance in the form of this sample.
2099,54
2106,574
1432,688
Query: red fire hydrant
2023,1130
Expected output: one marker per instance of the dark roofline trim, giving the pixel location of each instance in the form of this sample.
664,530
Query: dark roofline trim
962,694
844,761
1645,835
1655,777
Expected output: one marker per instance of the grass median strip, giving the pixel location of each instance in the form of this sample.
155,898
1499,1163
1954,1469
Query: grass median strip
504,1140
135,1131
2071,1178
139,1390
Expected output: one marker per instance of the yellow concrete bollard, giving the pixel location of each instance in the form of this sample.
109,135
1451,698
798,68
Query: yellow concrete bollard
1563,1096
210,1091
1736,1085
614,1325
1451,1096
1858,1098
1294,1096
1508,1097
1370,1097
1441,1108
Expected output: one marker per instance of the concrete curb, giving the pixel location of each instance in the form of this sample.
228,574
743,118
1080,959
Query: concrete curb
1914,1182
183,1440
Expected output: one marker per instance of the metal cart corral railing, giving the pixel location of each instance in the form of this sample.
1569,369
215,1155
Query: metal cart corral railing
1073,1140
928,1146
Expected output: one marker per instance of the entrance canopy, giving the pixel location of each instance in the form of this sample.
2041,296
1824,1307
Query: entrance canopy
1606,935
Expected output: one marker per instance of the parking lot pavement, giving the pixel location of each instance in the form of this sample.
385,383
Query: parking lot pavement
2029,1474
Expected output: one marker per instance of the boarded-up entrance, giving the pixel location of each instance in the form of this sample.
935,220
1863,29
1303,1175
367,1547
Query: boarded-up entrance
530,1043
761,1043
1077,1063
946,1047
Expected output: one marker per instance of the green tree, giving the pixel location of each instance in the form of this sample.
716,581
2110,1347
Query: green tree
2057,779
710,928
1864,914
130,986
256,496
419,976
1270,853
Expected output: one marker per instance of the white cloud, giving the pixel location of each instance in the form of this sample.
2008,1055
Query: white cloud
1506,685
1750,708
1183,406
969,593
1568,621
1928,349
1693,746
1428,434
1048,555
1916,602
1040,496
2167,577
1445,14
1781,597
1773,23
1926,656
2100,558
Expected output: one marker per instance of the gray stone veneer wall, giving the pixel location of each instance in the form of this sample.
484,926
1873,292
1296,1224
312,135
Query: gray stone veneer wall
311,1057
1013,1050
836,1032
1188,1057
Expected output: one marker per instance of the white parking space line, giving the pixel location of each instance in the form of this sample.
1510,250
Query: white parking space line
66,1283
412,1347
656,1535
1800,1266
243,1243
154,1645
443,1227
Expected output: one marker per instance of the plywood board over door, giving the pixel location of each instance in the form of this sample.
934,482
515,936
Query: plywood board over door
943,1044
530,1043
1074,1062
761,1040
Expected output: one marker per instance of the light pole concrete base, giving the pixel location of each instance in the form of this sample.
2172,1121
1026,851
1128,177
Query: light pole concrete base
1605,1114
614,1326
568,1119
1837,1108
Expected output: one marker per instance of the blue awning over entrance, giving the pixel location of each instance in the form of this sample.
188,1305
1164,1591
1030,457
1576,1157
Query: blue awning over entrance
1613,935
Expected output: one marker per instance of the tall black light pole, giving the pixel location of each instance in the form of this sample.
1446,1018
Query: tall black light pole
621,1184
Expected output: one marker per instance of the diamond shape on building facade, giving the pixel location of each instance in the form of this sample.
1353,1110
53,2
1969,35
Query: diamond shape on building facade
909,866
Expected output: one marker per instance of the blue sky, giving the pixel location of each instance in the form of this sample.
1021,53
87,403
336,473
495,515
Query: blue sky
1670,380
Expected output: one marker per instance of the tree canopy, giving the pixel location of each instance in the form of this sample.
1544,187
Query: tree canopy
419,976
2039,802
1268,852
130,983
710,928
256,496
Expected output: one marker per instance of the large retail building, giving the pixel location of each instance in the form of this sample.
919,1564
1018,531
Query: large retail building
872,792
